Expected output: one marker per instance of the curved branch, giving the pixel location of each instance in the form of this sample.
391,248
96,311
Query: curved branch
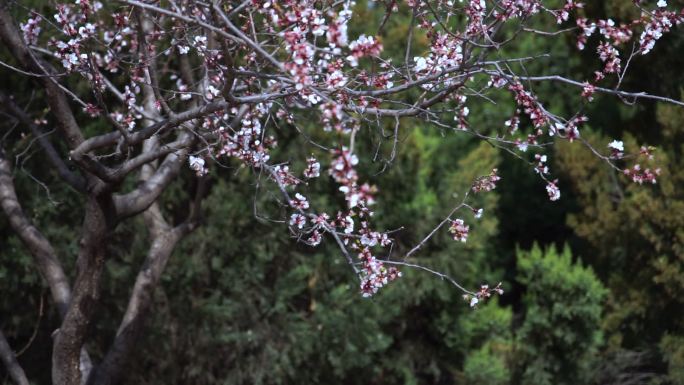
624,94
40,248
163,243
10,360
142,197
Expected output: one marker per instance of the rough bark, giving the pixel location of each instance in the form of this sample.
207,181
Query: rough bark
163,239
99,220
39,246
111,368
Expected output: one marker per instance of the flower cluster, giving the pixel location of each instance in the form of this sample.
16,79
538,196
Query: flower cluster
313,168
487,182
508,9
541,167
660,22
76,27
587,30
342,166
529,104
610,56
337,30
446,52
333,117
363,46
284,176
640,176
299,202
31,29
247,143
197,164
617,149
459,230
569,130
619,34
588,91
476,11
297,220
482,294
374,275
372,238
564,13
553,190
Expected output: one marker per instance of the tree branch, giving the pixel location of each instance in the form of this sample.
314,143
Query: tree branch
10,360
70,338
163,241
40,248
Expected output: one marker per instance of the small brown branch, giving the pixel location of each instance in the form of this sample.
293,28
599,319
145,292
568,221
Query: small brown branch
437,273
74,180
35,328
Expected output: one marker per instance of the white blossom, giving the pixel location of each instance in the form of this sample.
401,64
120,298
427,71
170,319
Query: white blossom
617,145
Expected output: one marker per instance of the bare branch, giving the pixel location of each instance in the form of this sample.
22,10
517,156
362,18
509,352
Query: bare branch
10,361
40,248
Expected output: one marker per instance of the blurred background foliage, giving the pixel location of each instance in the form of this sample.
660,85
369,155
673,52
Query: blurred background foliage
594,283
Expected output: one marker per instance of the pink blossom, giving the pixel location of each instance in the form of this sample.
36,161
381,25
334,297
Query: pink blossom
486,183
297,220
459,230
299,202
313,168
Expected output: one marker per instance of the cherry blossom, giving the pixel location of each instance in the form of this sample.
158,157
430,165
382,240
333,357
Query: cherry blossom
31,29
459,230
233,77
486,183
298,220
553,190
617,148
374,275
197,164
485,292
313,168
300,202
640,176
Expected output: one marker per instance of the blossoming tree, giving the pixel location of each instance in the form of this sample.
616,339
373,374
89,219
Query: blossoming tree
194,83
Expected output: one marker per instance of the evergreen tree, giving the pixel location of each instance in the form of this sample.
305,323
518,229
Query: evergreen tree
558,339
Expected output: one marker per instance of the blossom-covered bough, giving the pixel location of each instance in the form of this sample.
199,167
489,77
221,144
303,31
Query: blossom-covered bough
192,83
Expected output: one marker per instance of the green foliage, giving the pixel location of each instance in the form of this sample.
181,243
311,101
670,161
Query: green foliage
485,338
559,337
636,240
484,367
672,348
